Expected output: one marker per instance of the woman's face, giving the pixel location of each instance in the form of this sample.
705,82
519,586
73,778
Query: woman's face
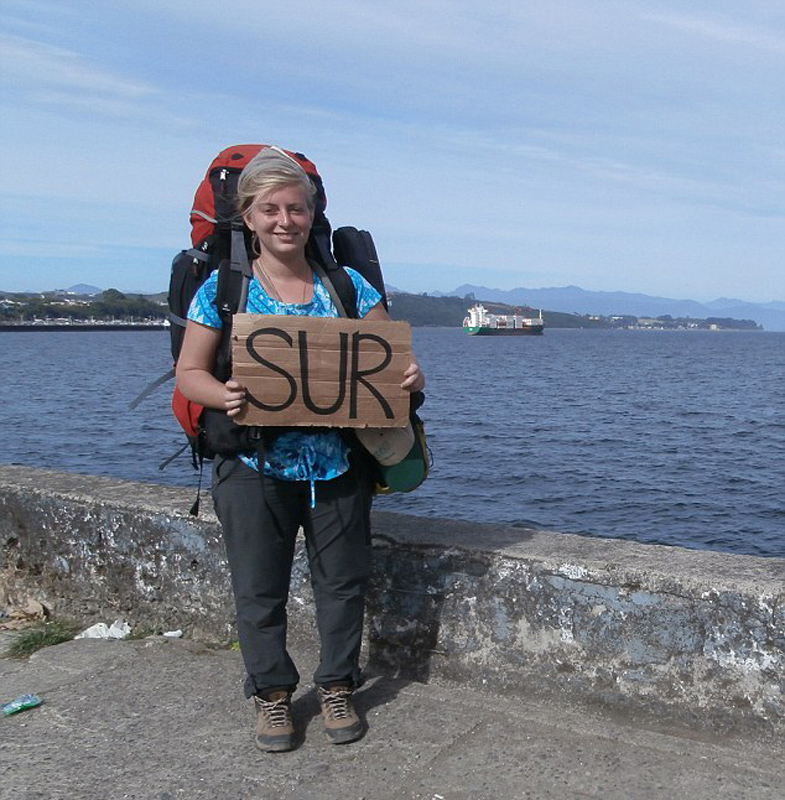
282,221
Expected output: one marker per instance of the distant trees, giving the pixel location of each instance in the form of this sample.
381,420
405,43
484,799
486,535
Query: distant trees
115,304
111,304
422,310
733,324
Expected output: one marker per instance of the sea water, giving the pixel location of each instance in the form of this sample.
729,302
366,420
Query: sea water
672,437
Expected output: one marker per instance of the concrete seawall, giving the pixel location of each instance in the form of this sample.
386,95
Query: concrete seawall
695,636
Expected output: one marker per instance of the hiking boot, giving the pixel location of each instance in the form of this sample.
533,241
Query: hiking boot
340,719
274,728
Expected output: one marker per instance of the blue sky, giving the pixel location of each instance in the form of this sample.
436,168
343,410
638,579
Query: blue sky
630,146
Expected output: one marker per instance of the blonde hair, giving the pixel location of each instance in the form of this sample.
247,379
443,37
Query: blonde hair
271,169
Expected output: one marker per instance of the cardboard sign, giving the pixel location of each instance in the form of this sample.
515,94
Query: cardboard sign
324,371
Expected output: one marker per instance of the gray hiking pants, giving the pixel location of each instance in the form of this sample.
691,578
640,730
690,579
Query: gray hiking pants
260,517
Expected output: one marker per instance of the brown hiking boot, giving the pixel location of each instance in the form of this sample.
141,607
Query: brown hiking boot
274,728
340,719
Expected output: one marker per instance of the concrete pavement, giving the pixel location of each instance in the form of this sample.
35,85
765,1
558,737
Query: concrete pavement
158,719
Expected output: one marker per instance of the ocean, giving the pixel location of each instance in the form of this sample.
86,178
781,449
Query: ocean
668,437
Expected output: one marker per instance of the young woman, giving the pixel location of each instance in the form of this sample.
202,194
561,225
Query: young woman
309,477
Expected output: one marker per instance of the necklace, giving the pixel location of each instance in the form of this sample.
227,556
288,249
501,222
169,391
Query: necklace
268,284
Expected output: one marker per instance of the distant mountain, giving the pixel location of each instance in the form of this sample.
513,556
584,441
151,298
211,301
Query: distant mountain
82,288
573,299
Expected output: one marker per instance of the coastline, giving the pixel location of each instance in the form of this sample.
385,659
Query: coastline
93,326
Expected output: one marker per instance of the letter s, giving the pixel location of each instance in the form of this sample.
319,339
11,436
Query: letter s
249,346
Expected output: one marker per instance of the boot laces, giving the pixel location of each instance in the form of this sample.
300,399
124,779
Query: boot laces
277,712
336,702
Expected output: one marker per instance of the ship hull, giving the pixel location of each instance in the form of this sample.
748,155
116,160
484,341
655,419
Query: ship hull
531,330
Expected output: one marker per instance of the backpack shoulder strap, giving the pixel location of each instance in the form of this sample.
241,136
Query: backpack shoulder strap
231,296
234,276
341,289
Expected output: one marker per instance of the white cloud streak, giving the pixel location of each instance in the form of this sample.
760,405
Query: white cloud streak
724,32
68,82
36,65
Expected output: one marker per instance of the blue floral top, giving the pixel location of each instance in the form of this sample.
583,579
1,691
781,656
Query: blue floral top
295,455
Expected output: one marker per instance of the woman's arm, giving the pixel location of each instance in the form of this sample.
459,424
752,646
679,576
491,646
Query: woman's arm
195,366
413,377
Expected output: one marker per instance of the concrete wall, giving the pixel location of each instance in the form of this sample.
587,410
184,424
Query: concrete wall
694,635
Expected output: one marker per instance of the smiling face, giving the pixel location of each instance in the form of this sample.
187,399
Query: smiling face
282,220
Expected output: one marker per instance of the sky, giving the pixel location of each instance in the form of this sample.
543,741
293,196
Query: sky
612,145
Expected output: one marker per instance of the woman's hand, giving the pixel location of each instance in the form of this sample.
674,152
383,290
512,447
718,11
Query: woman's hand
234,397
195,377
413,378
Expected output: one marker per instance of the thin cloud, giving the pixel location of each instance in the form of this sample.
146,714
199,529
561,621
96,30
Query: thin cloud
577,158
100,105
54,78
722,31
407,23
42,249
35,65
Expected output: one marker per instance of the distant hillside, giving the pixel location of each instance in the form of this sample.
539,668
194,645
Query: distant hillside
573,299
82,289
68,307
422,310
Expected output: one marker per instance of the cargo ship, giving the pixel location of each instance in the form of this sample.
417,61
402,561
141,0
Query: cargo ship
481,323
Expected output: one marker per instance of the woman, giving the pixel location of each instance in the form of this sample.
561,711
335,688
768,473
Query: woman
308,477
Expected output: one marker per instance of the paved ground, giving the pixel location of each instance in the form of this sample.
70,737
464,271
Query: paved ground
166,719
